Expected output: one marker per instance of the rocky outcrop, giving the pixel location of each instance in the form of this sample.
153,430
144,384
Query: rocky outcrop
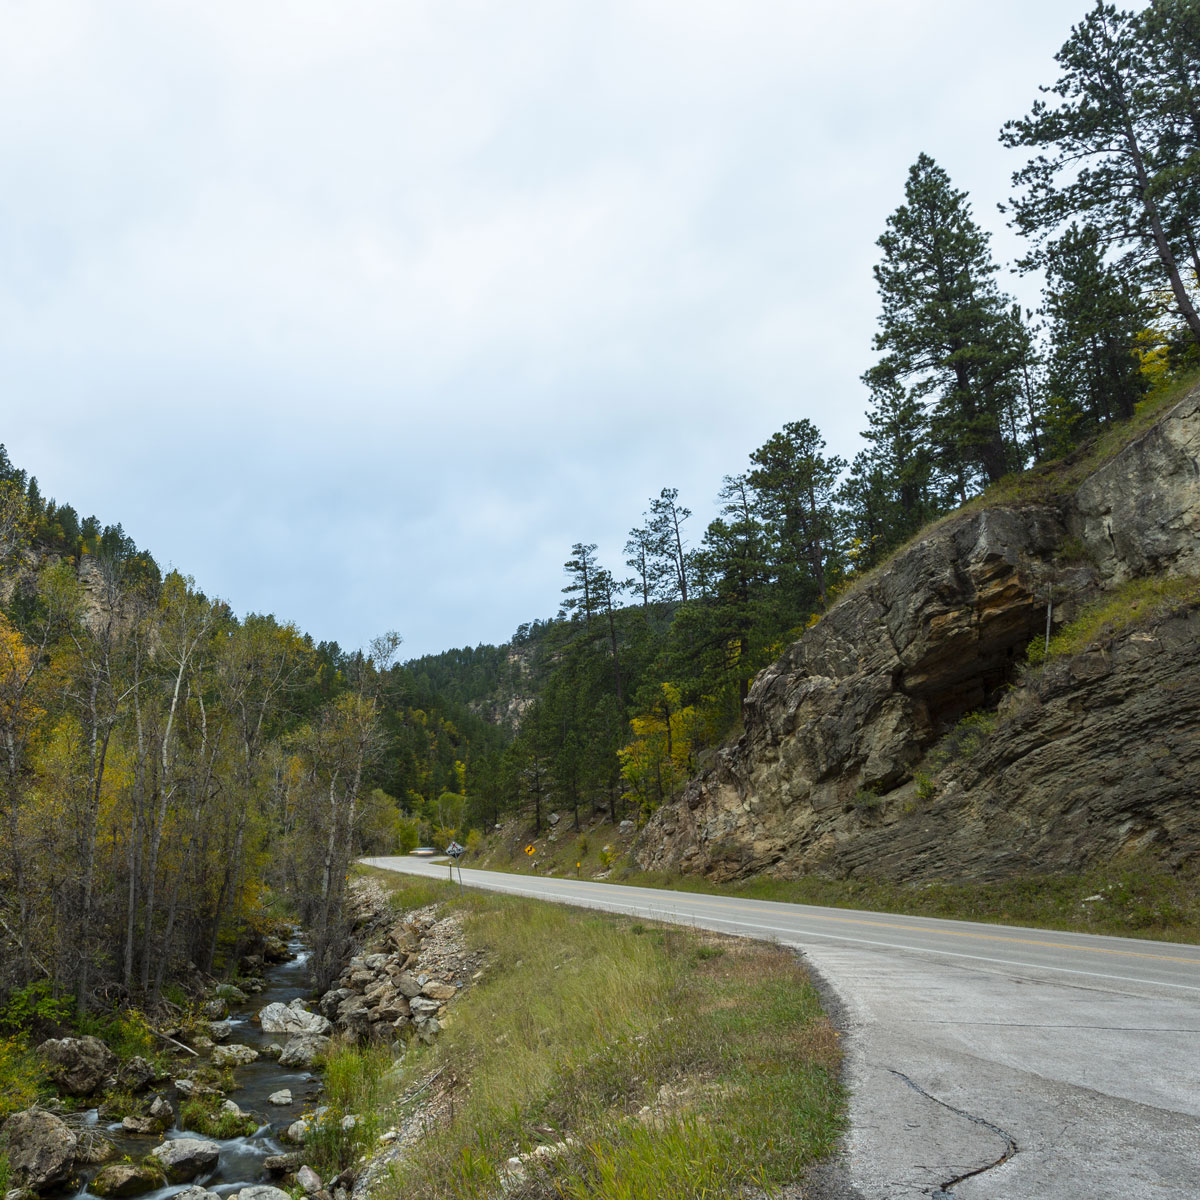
1094,756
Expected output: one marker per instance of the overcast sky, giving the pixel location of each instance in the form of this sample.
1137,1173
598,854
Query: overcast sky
363,312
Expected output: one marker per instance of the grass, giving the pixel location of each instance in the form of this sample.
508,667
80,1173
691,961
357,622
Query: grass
647,1060
1136,602
356,1083
205,1116
1136,898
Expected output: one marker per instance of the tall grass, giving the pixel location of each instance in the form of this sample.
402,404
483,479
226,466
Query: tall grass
653,1061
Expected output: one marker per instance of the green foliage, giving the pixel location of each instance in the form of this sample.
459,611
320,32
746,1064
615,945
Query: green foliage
33,1004
967,737
867,800
21,1078
355,1081
204,1115
926,787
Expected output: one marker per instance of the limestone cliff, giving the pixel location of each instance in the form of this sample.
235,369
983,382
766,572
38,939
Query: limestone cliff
1092,756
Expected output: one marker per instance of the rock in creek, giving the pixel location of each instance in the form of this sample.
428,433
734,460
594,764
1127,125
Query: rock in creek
293,1018
282,1097
40,1149
235,1055
125,1179
308,1180
184,1158
303,1050
78,1065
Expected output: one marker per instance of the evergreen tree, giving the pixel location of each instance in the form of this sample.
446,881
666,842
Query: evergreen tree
943,329
1095,315
795,483
1123,143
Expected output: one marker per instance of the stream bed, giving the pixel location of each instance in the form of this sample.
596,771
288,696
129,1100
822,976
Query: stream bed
241,1161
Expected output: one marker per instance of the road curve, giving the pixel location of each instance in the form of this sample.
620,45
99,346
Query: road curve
985,1062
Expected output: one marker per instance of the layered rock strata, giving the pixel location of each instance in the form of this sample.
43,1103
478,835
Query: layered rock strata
1092,757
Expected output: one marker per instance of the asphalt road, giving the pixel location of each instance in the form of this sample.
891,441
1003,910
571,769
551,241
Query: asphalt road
985,1062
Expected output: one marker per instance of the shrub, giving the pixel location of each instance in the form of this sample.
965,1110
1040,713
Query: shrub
867,800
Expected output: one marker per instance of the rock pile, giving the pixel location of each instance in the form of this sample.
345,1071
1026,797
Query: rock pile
400,985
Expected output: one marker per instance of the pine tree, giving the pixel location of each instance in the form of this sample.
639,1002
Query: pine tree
795,482
943,330
1095,315
1123,144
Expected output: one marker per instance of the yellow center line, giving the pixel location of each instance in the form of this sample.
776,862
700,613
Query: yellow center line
728,906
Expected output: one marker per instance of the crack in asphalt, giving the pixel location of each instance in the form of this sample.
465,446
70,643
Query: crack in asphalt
1010,1144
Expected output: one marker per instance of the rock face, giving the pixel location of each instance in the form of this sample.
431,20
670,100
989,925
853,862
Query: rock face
78,1065
1094,756
40,1149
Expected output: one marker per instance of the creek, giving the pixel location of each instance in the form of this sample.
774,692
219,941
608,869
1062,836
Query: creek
241,1161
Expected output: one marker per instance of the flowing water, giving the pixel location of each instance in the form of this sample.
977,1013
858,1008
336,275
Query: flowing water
241,1158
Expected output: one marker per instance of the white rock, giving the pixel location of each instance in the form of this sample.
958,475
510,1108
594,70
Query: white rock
283,1096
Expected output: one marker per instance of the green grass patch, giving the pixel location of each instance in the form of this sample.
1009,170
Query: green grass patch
1136,602
356,1085
659,1062
204,1115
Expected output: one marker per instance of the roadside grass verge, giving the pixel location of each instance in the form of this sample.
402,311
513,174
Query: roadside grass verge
1136,898
644,1060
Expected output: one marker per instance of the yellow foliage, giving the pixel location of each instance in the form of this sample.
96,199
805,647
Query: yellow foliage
659,758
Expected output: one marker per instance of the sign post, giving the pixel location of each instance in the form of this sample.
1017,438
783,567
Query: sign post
455,852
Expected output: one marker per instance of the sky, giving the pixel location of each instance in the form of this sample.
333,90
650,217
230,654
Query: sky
363,313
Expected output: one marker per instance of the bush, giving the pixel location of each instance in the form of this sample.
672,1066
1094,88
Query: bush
34,1004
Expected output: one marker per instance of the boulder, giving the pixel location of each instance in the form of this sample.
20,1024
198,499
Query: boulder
292,1018
93,1148
308,1180
184,1158
125,1179
230,993
275,950
196,1192
40,1149
215,1010
143,1126
422,1006
407,984
282,1164
235,1055
303,1050
135,1074
329,1002
283,1097
78,1065
261,1191
439,991
396,1010
220,1031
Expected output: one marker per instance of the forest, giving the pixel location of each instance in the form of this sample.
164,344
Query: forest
172,773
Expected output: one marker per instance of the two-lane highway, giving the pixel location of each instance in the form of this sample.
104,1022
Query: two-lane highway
984,1061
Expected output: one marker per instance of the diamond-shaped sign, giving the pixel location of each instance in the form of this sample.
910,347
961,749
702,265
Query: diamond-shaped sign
454,849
